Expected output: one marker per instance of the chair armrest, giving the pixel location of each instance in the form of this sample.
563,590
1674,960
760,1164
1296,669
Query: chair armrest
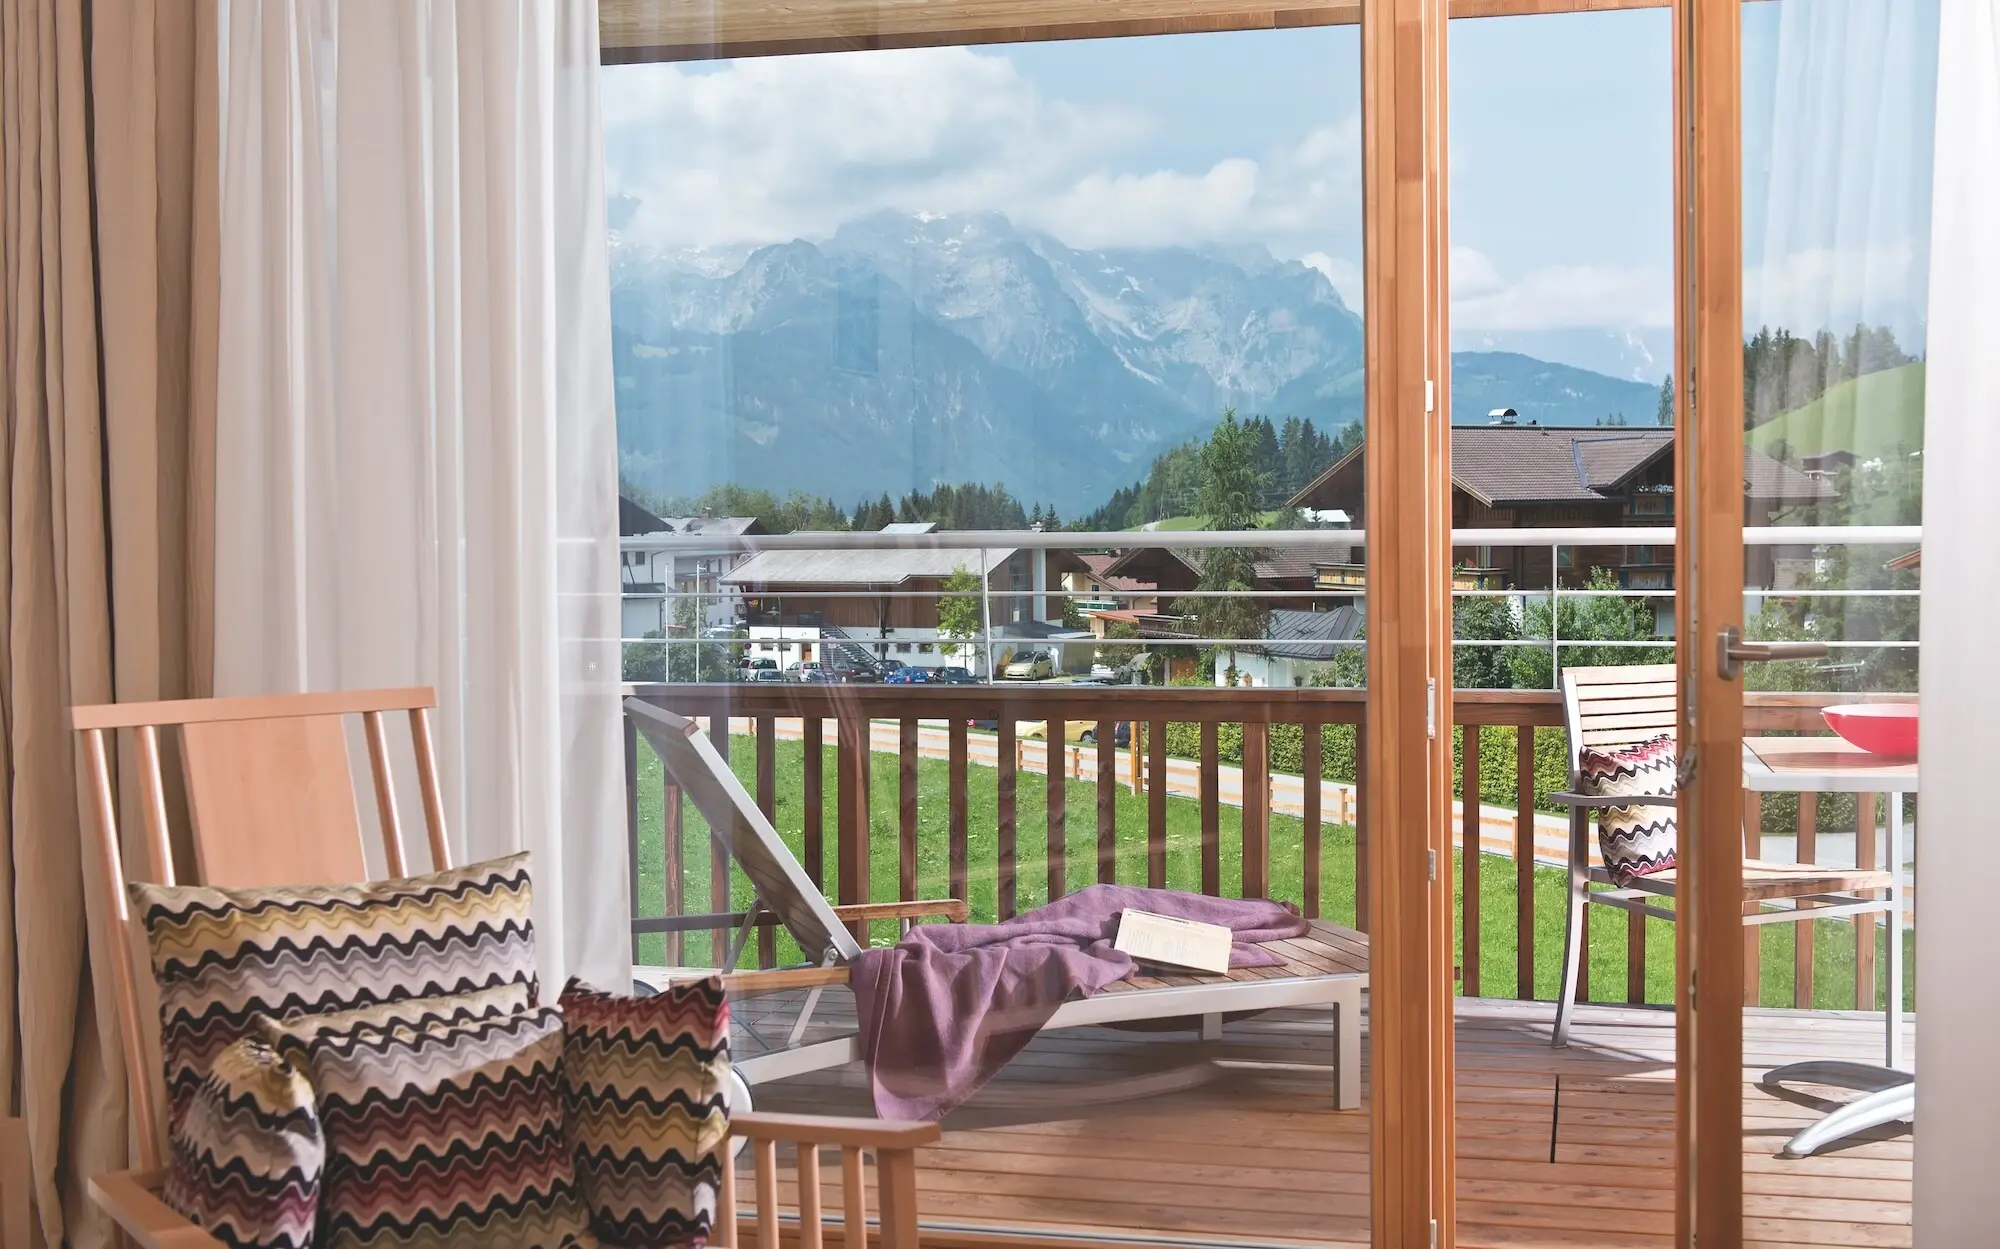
1569,799
943,908
834,1130
132,1199
779,979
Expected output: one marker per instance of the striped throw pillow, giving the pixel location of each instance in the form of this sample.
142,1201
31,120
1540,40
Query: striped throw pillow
644,1082
224,957
245,1160
1635,841
447,1135
294,1036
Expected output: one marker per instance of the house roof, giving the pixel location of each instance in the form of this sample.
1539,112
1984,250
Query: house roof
636,522
877,568
1307,634
1505,465
1279,562
1098,566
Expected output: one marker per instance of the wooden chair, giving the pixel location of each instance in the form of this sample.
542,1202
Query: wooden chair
1623,706
271,800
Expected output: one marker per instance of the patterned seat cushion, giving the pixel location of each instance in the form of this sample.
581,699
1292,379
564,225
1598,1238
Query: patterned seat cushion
224,957
245,1160
644,1082
447,1135
294,1036
1637,840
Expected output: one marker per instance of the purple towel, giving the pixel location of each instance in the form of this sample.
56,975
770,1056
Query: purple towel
945,1010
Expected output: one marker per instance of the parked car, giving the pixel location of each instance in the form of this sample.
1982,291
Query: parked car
757,665
954,676
767,675
907,675
1073,730
1121,735
856,676
819,676
806,670
1029,666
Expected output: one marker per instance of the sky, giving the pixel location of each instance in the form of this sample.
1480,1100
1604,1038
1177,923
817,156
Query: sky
1561,150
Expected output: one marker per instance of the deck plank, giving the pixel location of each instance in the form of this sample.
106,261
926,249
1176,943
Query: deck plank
1556,1147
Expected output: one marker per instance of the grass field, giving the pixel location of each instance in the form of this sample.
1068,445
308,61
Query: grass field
1873,415
1833,945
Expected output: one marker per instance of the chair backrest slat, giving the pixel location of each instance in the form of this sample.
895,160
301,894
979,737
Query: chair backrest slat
693,763
272,802
1618,706
270,795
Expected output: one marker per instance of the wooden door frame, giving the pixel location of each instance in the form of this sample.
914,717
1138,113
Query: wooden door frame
1708,367
1408,757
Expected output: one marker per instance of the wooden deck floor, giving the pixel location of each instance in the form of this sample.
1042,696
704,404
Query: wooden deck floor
1138,1137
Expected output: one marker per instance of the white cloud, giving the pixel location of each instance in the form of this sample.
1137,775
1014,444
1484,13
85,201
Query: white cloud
770,149
1834,287
1556,296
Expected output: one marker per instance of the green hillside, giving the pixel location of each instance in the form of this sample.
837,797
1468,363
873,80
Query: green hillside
1872,415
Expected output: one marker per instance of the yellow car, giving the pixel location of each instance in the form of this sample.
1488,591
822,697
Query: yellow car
1029,666
1084,731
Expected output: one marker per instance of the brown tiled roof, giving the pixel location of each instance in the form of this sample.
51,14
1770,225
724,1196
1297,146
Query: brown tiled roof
1503,465
1280,562
1096,566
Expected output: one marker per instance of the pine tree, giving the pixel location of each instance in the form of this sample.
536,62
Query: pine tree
1665,416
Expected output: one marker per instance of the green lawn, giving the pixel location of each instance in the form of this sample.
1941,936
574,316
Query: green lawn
1834,944
1873,415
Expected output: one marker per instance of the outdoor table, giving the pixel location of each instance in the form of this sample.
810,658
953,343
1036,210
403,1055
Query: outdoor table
1833,765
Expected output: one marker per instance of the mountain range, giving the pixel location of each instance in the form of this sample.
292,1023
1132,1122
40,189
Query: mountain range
906,351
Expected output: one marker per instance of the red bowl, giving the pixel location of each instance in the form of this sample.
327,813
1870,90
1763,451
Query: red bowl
1878,728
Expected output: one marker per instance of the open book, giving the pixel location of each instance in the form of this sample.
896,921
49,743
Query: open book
1151,938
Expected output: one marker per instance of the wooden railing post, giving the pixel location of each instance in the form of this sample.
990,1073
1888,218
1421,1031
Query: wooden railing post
1864,925
1311,766
767,802
907,789
852,826
1004,839
1802,951
1156,804
1469,859
1256,811
1107,802
1524,862
630,733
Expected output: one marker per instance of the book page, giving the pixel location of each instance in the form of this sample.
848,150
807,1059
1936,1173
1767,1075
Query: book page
1154,938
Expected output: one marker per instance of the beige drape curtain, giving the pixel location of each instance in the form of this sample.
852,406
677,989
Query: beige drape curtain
106,444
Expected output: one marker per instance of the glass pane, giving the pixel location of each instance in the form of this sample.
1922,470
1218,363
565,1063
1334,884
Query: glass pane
1563,467
1838,105
1058,290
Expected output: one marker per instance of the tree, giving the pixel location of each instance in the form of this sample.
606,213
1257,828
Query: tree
1229,498
959,615
1482,667
1580,621
1665,415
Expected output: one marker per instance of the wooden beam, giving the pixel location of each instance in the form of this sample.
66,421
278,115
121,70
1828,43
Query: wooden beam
640,31
1408,752
1708,454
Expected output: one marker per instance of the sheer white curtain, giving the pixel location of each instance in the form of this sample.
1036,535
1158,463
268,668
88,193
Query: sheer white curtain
1958,1129
416,449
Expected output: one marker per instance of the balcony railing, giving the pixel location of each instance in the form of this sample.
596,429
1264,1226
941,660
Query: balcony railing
990,793
891,737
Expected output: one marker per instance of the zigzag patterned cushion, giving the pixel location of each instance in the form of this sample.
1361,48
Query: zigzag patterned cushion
224,957
643,1086
293,1037
1635,841
245,1160
447,1135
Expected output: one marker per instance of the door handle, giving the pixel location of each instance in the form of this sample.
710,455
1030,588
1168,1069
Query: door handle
1732,652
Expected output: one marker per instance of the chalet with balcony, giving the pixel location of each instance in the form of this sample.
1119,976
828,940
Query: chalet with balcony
1514,476
656,560
886,601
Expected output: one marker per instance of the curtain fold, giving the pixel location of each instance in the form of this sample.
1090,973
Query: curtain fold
416,448
1959,1135
106,326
